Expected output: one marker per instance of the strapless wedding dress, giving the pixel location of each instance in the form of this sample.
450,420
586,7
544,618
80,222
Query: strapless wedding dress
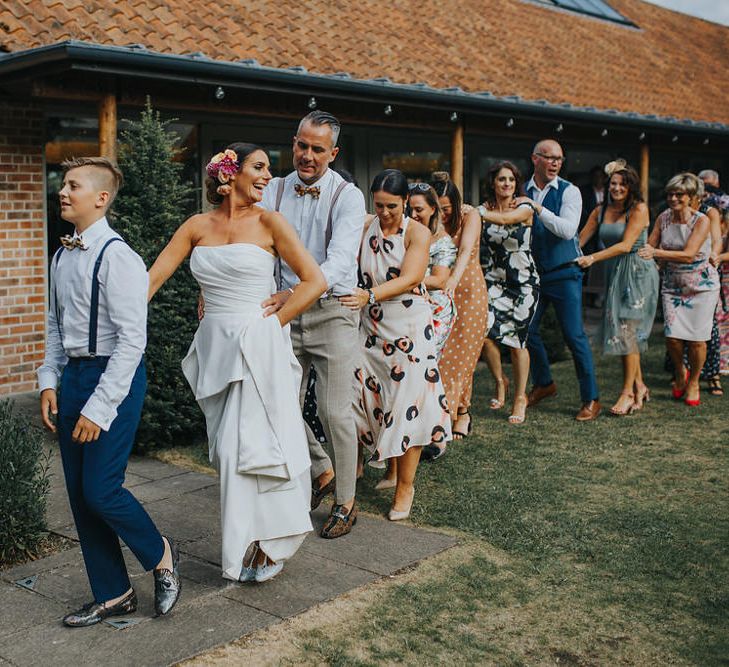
246,380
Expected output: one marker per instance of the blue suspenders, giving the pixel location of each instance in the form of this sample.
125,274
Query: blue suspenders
94,314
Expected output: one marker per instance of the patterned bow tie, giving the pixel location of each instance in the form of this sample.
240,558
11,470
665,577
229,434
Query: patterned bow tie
70,242
312,190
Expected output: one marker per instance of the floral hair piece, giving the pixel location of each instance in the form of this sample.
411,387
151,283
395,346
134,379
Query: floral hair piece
615,165
223,165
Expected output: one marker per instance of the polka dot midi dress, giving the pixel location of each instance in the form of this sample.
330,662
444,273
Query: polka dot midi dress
463,347
402,402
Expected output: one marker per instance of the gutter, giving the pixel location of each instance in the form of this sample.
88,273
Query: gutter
138,61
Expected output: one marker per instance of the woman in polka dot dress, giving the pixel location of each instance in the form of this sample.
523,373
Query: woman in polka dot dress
468,288
402,403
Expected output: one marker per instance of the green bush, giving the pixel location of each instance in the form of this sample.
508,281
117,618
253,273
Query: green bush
23,485
153,203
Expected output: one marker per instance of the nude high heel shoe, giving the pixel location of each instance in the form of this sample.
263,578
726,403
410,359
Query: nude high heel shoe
399,515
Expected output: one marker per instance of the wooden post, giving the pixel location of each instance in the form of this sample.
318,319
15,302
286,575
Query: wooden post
457,157
107,126
644,171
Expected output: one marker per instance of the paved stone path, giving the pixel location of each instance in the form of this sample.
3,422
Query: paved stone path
212,611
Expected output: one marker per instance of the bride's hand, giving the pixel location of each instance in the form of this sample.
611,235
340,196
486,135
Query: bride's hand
275,302
357,300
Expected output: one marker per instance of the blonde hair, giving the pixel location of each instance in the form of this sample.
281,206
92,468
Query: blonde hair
113,178
685,182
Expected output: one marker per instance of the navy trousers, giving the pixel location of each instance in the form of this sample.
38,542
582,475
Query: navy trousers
103,510
563,288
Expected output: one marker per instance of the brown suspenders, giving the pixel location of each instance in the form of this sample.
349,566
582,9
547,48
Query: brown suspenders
327,233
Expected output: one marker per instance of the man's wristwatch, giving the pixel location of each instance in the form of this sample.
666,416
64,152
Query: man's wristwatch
371,297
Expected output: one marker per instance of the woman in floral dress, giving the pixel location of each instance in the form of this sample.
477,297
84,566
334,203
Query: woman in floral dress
424,208
512,279
468,289
402,405
690,287
621,223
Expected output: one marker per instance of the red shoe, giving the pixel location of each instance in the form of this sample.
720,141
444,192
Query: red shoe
679,393
693,402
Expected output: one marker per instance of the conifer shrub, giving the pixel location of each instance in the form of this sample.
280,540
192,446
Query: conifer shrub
152,204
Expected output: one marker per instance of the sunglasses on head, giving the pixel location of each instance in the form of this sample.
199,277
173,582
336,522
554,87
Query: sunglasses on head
419,187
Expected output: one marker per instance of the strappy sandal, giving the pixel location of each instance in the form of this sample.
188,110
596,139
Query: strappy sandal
715,388
514,417
495,403
621,412
642,396
461,434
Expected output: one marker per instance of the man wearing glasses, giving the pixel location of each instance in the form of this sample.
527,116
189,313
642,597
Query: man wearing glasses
558,205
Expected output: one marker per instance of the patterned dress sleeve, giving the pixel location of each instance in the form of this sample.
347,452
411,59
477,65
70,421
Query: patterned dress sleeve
444,253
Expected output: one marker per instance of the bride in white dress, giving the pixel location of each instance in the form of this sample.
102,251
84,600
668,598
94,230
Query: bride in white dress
241,366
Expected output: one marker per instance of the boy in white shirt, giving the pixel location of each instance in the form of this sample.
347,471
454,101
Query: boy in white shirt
96,338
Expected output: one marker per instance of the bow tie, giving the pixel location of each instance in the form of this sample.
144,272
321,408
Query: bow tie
70,242
312,190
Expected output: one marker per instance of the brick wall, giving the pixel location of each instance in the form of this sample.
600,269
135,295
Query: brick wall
22,247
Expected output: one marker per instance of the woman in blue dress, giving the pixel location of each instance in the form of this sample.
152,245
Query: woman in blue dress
621,223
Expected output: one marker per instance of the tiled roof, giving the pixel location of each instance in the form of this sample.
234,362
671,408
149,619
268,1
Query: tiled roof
672,65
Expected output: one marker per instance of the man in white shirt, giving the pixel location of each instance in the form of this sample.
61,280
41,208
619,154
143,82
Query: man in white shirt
555,248
328,215
97,332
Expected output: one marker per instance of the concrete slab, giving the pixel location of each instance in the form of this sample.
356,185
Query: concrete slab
306,580
212,611
172,486
377,545
188,517
152,469
22,610
161,641
58,560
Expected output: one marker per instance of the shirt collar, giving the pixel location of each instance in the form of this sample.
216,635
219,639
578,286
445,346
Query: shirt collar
318,183
94,232
554,183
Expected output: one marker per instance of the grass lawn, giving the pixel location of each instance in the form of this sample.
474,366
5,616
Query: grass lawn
581,544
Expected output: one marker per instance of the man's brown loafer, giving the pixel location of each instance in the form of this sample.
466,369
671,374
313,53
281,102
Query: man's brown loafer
540,393
339,522
318,494
589,411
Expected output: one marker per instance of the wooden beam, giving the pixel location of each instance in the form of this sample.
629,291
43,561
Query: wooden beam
644,171
107,126
457,157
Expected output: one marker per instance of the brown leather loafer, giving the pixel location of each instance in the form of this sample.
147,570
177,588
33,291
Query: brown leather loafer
93,613
589,411
339,522
540,393
318,494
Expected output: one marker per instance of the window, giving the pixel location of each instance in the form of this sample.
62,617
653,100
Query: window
597,8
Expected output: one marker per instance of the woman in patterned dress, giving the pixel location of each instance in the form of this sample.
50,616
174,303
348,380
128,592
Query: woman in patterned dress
712,365
690,287
722,310
621,223
424,208
468,289
402,405
512,279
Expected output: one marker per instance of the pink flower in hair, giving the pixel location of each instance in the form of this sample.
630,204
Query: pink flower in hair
223,165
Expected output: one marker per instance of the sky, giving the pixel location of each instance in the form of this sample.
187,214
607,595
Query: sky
711,10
